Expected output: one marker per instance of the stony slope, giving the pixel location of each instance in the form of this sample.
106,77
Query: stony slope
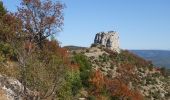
135,71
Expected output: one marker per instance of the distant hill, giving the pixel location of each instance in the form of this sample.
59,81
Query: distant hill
74,47
158,57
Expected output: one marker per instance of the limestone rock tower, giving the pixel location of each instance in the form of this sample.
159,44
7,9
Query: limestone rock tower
109,40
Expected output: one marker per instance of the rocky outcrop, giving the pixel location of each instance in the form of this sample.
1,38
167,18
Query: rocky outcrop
108,39
11,89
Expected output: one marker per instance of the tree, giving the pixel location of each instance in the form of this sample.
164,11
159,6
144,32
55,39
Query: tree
2,9
41,19
10,26
44,71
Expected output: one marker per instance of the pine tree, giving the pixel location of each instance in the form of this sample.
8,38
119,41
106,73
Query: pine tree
2,9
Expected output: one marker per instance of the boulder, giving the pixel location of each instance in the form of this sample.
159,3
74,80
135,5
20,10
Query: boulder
11,89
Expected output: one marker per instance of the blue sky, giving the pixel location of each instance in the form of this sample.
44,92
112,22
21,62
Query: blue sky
141,24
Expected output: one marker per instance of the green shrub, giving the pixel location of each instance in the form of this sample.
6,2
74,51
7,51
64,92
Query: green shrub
103,58
156,95
150,80
87,50
74,79
85,68
150,67
93,45
91,97
6,51
65,92
2,57
156,75
115,98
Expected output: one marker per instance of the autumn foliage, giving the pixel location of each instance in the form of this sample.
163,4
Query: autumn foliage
98,81
114,87
40,19
10,25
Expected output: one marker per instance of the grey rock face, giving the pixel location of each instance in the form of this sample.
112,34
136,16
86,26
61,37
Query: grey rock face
11,89
108,39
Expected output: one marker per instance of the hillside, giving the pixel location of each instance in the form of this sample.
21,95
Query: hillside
160,58
136,74
94,73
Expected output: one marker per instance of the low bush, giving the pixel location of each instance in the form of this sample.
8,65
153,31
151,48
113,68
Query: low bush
85,68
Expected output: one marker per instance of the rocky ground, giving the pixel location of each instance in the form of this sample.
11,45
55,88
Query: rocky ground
153,85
